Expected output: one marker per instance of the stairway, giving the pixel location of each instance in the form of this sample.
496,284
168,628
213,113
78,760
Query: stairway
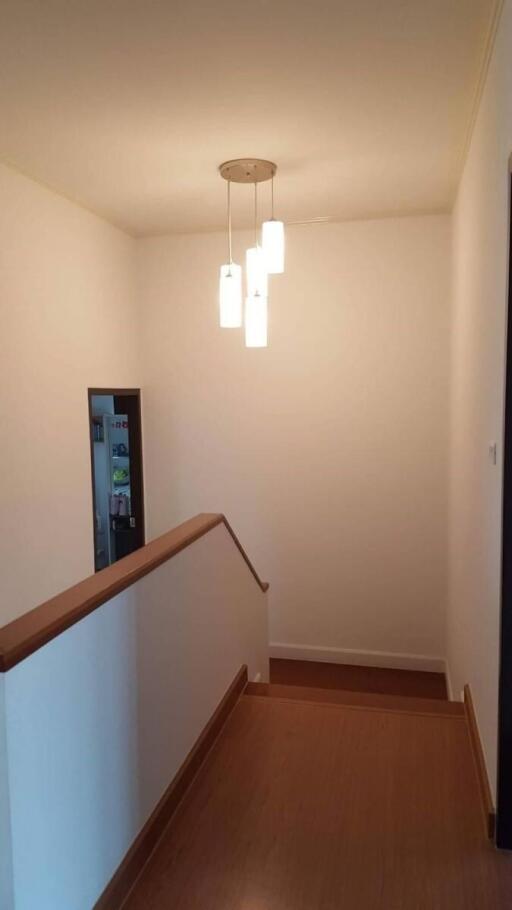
321,799
368,700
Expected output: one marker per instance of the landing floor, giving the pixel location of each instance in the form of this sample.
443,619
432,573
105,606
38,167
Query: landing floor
305,806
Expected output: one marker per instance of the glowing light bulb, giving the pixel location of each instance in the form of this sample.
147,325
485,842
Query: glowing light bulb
230,296
272,242
256,321
257,277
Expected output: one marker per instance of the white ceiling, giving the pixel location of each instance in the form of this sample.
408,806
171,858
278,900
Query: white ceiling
128,106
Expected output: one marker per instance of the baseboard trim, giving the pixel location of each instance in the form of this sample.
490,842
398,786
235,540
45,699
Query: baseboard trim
144,844
449,686
487,802
383,659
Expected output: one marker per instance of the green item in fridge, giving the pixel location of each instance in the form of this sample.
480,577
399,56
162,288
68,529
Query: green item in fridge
121,476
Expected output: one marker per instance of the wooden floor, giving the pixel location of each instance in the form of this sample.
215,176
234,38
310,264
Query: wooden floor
357,679
357,699
310,806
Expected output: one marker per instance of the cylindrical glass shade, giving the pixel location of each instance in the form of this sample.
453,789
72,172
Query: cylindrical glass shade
230,296
256,321
272,243
257,278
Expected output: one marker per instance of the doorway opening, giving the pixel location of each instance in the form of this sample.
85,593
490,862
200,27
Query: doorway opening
116,463
504,789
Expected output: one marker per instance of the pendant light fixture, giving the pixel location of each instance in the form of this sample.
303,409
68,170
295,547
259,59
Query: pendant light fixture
257,275
272,241
260,259
230,287
257,290
256,321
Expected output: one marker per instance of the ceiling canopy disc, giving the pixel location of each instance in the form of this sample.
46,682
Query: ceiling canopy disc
248,170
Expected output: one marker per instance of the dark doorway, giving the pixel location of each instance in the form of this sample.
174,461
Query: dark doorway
504,794
117,484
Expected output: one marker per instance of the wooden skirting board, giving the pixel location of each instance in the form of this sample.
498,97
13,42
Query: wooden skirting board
488,809
132,865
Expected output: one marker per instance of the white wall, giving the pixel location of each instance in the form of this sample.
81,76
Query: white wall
6,883
100,719
328,450
67,321
479,325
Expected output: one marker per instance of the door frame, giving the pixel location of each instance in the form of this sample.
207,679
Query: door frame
137,502
504,770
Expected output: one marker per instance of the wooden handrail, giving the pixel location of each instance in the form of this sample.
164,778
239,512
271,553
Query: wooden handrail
29,632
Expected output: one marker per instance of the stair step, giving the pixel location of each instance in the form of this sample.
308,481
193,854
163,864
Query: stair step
357,699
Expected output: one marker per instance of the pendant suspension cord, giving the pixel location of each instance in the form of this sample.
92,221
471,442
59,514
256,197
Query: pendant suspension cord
255,214
230,254
272,191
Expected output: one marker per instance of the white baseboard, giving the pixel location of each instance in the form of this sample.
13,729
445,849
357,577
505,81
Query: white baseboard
358,658
449,686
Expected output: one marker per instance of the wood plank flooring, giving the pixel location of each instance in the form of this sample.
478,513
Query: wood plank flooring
358,699
324,807
357,679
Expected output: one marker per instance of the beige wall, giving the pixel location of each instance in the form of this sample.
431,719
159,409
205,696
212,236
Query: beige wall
479,321
328,450
67,321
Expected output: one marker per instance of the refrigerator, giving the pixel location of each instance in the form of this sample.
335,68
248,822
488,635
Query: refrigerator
112,490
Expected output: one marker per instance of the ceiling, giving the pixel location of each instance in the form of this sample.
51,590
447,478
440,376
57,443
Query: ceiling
128,106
